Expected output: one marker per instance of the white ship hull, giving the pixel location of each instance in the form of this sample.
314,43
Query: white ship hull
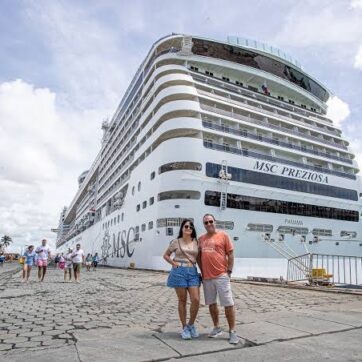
253,256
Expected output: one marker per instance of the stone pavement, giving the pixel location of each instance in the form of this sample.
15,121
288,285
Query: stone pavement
129,315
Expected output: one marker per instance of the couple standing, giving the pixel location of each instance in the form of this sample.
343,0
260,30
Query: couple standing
213,252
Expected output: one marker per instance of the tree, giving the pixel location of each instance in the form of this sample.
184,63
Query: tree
5,242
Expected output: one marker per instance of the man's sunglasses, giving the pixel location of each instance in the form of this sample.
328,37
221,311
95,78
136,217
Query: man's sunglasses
188,227
208,222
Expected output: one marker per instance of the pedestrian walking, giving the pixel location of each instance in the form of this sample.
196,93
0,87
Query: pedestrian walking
29,259
88,261
78,260
216,261
61,261
56,261
2,260
68,265
95,261
44,253
183,276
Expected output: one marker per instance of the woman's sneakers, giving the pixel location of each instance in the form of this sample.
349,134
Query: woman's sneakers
189,332
186,334
194,333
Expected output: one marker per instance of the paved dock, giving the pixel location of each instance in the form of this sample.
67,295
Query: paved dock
130,315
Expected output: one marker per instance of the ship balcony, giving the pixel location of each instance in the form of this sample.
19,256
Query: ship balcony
261,138
273,112
265,122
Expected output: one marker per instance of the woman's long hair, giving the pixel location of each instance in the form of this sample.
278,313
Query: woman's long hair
193,234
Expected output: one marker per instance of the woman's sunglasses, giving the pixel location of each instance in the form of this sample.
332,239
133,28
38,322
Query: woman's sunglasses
188,227
208,222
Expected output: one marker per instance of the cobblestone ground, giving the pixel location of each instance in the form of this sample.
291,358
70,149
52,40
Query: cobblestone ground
47,315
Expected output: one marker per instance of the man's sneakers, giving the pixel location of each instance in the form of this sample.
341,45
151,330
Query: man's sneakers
217,331
233,338
186,334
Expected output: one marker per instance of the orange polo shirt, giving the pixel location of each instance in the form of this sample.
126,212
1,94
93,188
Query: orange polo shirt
214,251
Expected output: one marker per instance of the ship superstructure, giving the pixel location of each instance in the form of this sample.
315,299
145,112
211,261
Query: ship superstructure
237,129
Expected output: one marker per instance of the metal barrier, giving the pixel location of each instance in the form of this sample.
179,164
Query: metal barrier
336,269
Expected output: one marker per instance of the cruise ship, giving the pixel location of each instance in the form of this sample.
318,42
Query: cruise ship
236,129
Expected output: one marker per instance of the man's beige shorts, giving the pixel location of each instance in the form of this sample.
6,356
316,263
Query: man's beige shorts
221,287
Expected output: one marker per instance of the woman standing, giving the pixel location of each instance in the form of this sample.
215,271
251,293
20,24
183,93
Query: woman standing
29,257
88,262
95,261
184,276
68,265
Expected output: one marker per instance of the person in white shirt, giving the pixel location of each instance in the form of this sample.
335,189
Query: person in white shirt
43,252
68,265
78,260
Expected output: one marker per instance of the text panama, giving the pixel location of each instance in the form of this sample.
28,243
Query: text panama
290,172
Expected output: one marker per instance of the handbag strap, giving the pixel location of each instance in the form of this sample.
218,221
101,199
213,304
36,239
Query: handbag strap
179,245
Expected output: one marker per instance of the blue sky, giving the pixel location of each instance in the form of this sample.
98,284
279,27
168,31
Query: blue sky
64,66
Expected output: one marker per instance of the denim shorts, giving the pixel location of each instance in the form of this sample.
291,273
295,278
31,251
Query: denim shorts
183,277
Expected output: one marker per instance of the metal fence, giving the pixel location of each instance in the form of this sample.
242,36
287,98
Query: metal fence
336,269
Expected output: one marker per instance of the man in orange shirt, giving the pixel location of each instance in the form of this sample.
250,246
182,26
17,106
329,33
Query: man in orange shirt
216,261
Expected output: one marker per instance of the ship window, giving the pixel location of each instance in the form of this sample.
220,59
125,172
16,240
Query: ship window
138,208
150,225
111,222
139,186
322,232
118,218
144,204
234,201
152,200
291,101
226,79
281,98
172,221
350,234
179,194
238,83
174,166
225,225
114,221
143,227
122,216
252,59
303,106
133,189
209,73
292,230
153,174
260,227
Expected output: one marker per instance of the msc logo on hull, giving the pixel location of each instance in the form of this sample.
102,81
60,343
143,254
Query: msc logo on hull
119,244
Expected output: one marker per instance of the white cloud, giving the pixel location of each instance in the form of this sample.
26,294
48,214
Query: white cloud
338,110
356,4
42,151
358,59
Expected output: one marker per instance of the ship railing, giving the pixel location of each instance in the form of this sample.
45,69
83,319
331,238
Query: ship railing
271,113
245,134
326,269
270,125
247,153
